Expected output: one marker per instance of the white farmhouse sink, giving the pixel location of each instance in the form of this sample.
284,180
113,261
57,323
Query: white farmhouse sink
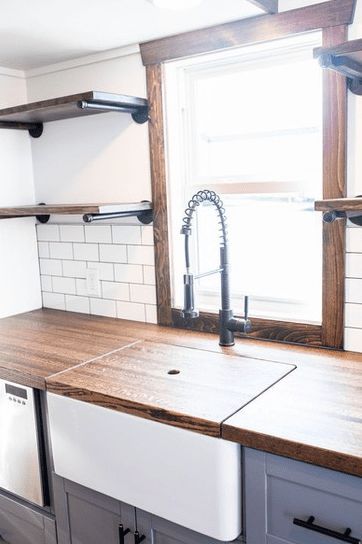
185,477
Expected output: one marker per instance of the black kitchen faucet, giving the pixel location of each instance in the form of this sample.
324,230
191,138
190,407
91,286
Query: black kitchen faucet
228,324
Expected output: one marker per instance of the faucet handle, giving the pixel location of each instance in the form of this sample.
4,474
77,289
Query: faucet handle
246,307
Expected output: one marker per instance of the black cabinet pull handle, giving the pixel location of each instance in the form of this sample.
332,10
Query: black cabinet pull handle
138,538
311,526
122,532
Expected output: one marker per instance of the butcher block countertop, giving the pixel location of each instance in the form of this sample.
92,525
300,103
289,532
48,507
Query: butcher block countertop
303,403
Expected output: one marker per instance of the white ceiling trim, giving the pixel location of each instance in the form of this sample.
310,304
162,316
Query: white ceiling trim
11,72
83,61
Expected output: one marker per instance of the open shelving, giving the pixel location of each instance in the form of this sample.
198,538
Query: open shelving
346,59
32,116
337,208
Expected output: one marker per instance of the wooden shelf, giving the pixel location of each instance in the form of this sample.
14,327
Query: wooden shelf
340,208
339,204
32,116
90,212
345,59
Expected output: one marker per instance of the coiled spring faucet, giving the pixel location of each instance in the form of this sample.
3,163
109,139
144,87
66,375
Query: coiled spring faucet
228,324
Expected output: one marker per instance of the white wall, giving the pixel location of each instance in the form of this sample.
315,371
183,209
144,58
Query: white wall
19,272
102,158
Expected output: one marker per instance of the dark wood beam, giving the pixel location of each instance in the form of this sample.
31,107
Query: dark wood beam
247,31
269,6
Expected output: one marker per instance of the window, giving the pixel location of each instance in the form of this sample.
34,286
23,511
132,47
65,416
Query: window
248,125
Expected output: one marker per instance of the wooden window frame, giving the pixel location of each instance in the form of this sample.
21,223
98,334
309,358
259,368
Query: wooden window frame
331,18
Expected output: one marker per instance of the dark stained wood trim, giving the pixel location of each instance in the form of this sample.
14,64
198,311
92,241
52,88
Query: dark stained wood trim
330,334
339,204
334,186
263,329
247,31
159,193
269,6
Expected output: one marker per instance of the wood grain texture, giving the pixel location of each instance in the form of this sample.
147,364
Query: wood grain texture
268,329
207,388
247,31
339,204
270,6
34,346
68,209
313,414
334,186
159,194
66,107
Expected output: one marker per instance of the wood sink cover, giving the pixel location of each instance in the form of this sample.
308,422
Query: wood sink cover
189,388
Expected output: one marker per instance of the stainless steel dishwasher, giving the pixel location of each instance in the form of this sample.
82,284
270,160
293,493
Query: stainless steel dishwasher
21,449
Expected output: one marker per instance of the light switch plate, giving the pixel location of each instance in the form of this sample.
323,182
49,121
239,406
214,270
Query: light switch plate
93,283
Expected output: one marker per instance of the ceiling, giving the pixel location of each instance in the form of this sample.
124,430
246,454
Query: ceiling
35,33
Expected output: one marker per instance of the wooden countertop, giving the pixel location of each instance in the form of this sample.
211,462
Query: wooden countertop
313,414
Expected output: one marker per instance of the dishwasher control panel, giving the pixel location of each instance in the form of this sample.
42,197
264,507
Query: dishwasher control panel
16,394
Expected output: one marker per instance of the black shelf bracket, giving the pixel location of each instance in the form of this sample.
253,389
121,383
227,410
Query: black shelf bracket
145,216
35,129
139,113
354,216
346,66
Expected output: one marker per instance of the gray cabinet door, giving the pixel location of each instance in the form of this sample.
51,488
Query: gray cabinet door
23,524
87,517
161,531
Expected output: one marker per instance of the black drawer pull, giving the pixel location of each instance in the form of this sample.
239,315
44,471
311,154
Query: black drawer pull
138,538
311,526
122,532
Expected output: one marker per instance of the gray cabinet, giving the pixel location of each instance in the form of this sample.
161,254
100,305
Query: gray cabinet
20,523
289,502
87,517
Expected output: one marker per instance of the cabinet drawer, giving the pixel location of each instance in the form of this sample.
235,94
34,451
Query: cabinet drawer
20,524
283,490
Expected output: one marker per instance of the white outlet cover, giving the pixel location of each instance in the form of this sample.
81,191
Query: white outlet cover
93,283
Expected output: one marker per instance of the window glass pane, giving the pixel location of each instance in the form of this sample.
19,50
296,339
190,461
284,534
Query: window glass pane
249,126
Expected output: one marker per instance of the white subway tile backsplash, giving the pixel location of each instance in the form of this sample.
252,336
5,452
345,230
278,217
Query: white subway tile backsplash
149,275
61,250
50,267
77,304
354,265
47,233
106,270
74,269
141,255
86,252
99,306
147,236
131,310
43,250
151,313
54,300
353,291
115,291
126,234
46,283
81,287
143,293
354,240
353,315
71,233
64,285
98,233
124,257
113,253
128,273
352,339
